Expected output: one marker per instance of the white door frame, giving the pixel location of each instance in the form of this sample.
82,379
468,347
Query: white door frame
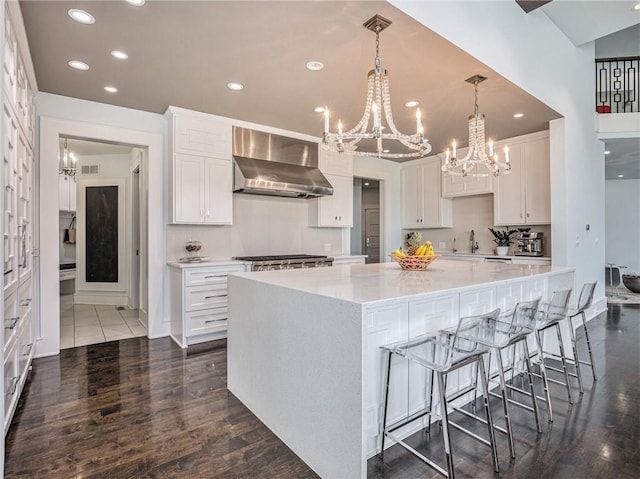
48,322
384,205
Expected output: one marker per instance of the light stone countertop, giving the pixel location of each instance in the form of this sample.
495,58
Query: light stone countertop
385,282
492,255
207,262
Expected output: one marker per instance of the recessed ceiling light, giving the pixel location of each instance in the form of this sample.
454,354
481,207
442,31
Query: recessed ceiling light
366,183
607,152
81,16
411,104
518,115
235,86
385,151
315,66
111,89
319,109
78,65
137,3
636,6
119,55
620,176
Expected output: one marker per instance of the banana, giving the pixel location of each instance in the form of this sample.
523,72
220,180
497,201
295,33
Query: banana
399,252
426,249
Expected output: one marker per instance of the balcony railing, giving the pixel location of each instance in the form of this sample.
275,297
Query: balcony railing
617,85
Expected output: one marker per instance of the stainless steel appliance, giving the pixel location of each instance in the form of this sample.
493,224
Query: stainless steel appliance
529,243
287,261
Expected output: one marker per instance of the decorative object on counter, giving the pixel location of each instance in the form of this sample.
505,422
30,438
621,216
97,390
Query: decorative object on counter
632,282
414,240
503,238
66,161
477,161
193,248
378,103
422,257
70,232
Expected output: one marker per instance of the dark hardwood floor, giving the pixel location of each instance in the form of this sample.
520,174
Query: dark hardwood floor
136,408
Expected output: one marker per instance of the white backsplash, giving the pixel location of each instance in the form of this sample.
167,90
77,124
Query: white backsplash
261,225
475,213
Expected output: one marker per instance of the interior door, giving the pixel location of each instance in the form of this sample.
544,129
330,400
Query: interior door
372,235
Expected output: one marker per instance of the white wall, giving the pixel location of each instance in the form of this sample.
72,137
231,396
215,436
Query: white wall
622,203
530,51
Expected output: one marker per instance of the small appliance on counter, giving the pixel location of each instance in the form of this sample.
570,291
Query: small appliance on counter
529,242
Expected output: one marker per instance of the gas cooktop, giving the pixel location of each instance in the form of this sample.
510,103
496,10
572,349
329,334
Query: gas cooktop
282,257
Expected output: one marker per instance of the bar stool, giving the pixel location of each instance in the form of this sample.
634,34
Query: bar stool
584,303
550,316
508,333
442,354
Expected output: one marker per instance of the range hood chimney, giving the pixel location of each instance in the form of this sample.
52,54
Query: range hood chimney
274,165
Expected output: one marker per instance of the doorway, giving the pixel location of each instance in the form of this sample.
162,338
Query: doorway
365,234
100,262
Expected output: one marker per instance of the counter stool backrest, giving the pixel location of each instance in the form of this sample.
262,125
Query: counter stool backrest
558,306
471,335
586,297
523,320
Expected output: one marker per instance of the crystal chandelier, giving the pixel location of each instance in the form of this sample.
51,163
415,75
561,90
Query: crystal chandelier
378,105
66,161
477,161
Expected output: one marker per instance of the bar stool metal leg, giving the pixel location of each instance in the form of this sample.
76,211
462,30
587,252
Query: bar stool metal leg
387,373
543,373
527,360
586,335
507,418
564,363
485,398
576,360
442,390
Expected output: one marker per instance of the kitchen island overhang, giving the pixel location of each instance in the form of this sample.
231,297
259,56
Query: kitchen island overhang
303,345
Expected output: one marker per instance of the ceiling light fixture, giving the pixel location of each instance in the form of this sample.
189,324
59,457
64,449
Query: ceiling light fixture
319,109
66,161
378,105
78,65
477,162
518,115
636,6
620,176
235,86
314,66
607,152
136,3
111,89
119,55
81,16
411,104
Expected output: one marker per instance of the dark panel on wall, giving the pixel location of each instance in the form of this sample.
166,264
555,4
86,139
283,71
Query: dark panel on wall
102,234
530,5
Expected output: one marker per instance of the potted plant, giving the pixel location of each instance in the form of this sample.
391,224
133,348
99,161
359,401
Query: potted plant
503,238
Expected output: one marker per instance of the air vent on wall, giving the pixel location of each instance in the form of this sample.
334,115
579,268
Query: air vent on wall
90,170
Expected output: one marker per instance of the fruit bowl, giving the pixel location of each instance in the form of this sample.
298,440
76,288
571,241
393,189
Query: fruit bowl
414,263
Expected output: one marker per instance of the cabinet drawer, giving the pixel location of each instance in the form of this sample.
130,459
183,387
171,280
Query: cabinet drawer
206,321
11,382
25,298
205,297
11,318
25,346
202,277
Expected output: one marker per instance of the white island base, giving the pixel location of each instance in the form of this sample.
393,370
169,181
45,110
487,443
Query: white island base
303,345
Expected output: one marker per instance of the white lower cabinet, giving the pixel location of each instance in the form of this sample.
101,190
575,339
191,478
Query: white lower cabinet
199,301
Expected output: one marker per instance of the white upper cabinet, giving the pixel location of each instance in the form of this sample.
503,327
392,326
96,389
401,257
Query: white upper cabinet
202,168
422,202
335,211
67,193
523,197
453,186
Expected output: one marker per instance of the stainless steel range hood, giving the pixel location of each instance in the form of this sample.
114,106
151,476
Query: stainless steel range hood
268,164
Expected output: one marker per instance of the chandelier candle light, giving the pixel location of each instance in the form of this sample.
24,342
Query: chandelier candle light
67,161
378,104
477,161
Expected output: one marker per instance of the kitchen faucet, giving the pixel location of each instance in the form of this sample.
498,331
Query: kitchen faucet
474,243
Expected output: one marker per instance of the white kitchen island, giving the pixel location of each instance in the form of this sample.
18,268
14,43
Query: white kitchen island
303,345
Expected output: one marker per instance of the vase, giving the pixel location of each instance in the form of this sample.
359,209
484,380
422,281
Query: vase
502,250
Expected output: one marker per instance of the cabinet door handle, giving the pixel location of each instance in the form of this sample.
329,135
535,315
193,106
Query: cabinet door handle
201,213
12,322
16,381
210,276
208,213
213,321
210,297
528,215
29,348
26,302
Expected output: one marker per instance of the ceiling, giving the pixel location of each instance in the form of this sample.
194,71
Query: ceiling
184,53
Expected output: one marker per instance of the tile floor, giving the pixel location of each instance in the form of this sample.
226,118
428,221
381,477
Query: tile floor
83,324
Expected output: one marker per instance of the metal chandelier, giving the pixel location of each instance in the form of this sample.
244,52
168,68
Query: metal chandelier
478,161
378,105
